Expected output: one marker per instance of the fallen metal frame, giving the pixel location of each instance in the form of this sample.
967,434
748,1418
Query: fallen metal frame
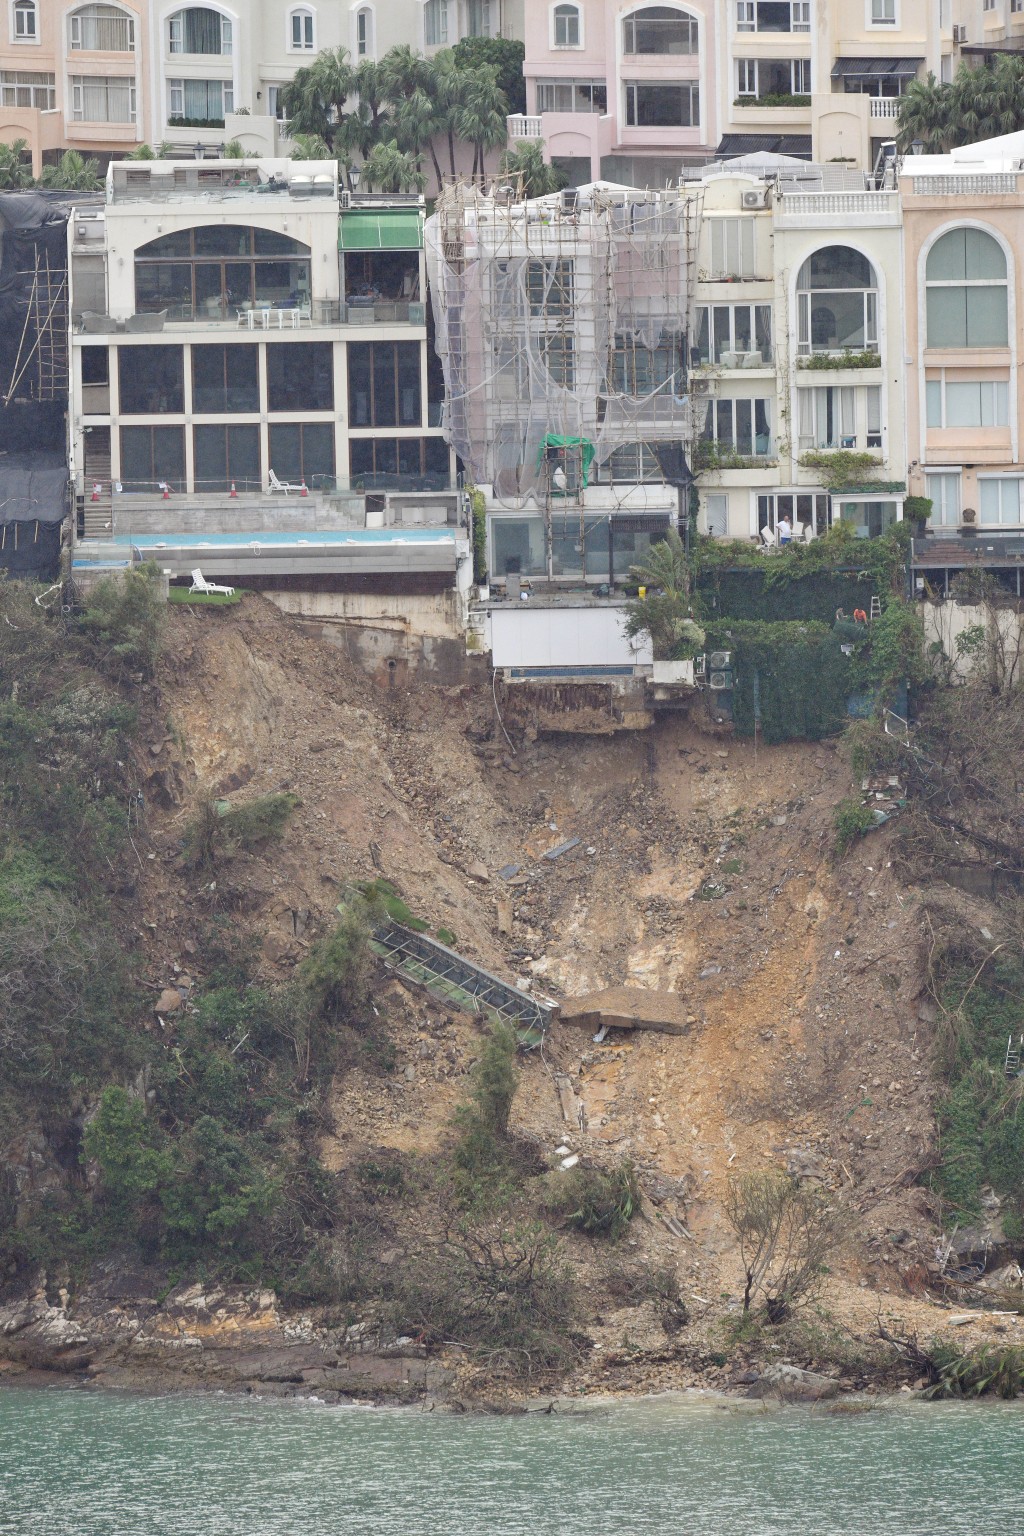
458,980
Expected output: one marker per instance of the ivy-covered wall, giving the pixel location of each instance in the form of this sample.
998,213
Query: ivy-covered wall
792,678
753,595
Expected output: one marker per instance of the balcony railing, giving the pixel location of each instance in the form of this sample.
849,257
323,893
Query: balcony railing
322,312
885,106
965,184
519,126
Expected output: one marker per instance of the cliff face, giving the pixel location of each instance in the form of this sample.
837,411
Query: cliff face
702,869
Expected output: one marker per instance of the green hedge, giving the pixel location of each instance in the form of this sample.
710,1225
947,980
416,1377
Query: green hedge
753,595
791,678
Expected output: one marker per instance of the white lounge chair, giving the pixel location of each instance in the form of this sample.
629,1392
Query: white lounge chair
200,584
287,486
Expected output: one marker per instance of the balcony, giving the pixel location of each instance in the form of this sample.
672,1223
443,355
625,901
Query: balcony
258,318
885,108
519,126
836,210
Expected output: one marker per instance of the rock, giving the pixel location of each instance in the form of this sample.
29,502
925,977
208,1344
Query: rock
478,871
794,1385
168,1001
710,970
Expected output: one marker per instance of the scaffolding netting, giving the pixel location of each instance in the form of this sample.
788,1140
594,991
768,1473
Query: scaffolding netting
564,318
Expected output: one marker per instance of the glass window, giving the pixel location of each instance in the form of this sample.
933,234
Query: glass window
227,456
773,15
199,103
806,510
211,272
567,26
659,29
662,105
364,33
738,335
1000,498
95,365
303,451
732,248
199,30
300,376
572,96
827,417
869,519
26,21
558,352
549,287
972,403
837,302
152,380
478,18
435,23
883,13
151,456
101,99
716,514
225,379
302,30
518,546
944,492
639,370
741,427
966,285
101,29
384,384
27,88
411,462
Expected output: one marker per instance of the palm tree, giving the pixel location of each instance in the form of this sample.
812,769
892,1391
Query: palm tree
310,146
924,116
481,117
663,613
72,174
390,169
526,167
407,81
976,104
446,89
141,152
314,102
14,172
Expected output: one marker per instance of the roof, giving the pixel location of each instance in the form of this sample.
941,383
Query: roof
872,69
733,145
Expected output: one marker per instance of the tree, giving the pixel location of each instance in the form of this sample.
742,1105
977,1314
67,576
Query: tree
976,104
314,102
526,167
786,1233
390,169
72,173
504,56
234,149
480,117
664,612
310,146
14,173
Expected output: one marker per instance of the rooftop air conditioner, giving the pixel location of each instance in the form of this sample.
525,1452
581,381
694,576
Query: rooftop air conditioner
719,659
756,199
720,680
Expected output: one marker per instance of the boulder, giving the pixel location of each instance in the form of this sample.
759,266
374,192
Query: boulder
794,1385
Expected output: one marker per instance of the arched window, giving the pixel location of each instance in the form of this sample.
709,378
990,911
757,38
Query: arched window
215,270
965,280
101,29
364,33
26,21
837,302
197,29
566,28
300,31
659,29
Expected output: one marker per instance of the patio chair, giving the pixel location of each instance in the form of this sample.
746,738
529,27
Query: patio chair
286,486
200,584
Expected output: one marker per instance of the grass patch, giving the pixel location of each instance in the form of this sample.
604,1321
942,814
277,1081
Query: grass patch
205,599
851,820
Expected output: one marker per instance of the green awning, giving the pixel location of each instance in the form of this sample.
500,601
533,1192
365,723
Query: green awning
365,229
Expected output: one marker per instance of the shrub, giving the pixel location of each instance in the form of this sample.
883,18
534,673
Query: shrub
786,1233
122,619
482,1152
989,1369
336,972
851,819
382,897
592,1201
211,833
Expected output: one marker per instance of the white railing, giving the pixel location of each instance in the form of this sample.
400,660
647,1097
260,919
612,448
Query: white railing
848,204
520,126
967,184
885,106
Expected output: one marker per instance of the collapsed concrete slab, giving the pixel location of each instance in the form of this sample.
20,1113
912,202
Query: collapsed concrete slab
627,1008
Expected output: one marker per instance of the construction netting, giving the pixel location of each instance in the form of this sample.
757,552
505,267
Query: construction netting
565,320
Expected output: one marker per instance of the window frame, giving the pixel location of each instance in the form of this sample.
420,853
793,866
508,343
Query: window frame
752,306
78,83
882,23
23,11
716,410
966,285
628,33
690,88
43,80
999,481
301,19
364,32
578,87
941,505
572,15
177,49
721,229
747,18
439,16
996,405
75,18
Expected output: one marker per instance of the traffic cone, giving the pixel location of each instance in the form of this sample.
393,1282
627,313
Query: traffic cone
166,490
96,491
303,492
233,494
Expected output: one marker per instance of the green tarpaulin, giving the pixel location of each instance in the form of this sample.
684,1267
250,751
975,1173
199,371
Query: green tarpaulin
365,229
586,447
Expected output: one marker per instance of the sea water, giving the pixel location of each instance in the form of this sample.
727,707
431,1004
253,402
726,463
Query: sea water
87,1463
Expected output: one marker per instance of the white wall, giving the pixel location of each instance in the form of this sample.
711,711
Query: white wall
525,636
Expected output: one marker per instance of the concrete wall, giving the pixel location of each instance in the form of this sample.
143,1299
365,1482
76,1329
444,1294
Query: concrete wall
524,636
944,622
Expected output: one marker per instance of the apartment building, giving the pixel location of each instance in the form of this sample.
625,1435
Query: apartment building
105,75
633,93
611,352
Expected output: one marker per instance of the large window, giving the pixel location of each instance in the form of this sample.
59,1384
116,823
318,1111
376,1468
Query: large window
101,29
225,379
558,350
226,456
27,88
1000,498
943,489
572,96
419,463
659,29
479,21
837,302
773,15
101,99
804,509
215,270
566,26
965,278
300,31
300,376
151,456
638,370
303,451
733,247
734,335
662,105
364,33
760,78
970,403
26,21
199,30
549,287
152,380
740,427
199,103
384,383
837,416
435,23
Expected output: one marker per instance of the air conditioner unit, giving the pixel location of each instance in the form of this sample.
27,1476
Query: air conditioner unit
720,680
719,659
755,199
344,200
700,386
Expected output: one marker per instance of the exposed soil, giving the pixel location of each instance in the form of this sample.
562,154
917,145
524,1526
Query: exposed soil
703,868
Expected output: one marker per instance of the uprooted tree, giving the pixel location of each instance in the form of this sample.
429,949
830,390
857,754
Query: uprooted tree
787,1232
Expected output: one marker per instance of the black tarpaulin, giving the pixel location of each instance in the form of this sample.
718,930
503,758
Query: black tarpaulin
876,69
33,505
